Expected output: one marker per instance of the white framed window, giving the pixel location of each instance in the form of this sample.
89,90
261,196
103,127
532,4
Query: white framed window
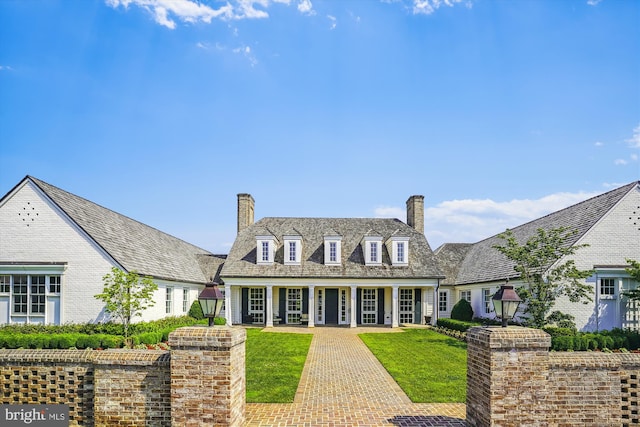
399,250
333,250
185,300
465,295
369,306
20,291
373,250
256,304
5,284
320,317
608,287
54,284
265,249
406,306
168,301
292,249
343,305
443,301
30,293
486,298
38,294
294,305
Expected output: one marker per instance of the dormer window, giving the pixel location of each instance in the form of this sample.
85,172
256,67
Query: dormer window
265,249
332,249
399,249
372,250
292,249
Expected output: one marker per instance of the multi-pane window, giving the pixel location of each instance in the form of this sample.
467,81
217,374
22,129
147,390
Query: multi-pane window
373,251
465,295
38,291
169,301
333,251
292,251
54,284
256,304
265,251
442,301
5,284
400,252
406,306
369,303
607,286
294,305
185,300
486,297
20,292
320,305
343,305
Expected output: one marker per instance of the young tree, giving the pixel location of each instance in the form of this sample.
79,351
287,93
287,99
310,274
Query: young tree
126,295
634,272
545,279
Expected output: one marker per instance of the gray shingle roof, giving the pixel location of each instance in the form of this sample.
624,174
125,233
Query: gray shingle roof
483,263
450,257
134,245
241,261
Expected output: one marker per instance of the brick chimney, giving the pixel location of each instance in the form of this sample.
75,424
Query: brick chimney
246,206
415,212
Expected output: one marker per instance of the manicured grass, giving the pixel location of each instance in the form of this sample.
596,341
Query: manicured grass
274,363
429,367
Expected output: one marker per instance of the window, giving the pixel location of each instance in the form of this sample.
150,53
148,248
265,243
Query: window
265,251
256,304
5,284
54,284
398,247
292,251
465,295
20,292
185,300
442,301
400,252
294,305
169,301
333,251
486,297
369,305
608,287
406,306
373,251
38,288
343,305
320,306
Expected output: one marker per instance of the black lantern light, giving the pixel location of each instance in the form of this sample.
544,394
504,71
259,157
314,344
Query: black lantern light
505,303
211,300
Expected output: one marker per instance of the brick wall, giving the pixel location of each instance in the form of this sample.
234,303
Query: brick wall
513,380
201,381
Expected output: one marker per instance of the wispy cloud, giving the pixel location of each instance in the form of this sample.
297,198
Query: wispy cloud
333,21
166,12
634,141
471,220
5,68
427,7
599,144
620,162
593,2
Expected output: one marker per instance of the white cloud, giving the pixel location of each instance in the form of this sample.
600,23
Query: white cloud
5,68
620,162
427,7
185,10
471,220
306,8
634,141
593,2
599,144
333,22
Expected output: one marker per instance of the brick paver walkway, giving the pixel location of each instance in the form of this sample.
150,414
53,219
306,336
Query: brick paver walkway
343,384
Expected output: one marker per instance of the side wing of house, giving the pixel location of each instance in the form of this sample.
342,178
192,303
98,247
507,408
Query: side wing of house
615,238
49,268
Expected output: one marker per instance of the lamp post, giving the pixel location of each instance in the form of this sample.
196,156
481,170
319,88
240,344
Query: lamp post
211,300
505,303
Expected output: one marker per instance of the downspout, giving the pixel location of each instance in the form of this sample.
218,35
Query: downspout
597,286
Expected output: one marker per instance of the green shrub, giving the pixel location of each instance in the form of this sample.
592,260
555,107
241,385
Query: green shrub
196,311
462,311
456,325
557,332
149,337
88,341
112,341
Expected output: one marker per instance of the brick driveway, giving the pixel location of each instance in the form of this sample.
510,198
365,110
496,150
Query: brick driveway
343,384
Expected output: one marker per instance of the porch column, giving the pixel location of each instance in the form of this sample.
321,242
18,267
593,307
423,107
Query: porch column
394,307
227,305
354,306
436,306
312,307
269,313
425,305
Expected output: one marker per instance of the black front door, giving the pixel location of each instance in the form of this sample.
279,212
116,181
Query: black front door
331,304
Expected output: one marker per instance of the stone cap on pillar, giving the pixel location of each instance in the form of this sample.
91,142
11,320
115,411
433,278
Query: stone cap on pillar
206,338
496,337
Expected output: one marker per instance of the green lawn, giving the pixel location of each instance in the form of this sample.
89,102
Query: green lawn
274,363
429,367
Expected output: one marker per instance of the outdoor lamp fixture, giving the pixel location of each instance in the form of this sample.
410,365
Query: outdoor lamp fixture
211,300
505,303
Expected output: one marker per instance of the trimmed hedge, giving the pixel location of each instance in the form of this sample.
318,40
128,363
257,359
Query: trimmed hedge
564,339
456,325
462,311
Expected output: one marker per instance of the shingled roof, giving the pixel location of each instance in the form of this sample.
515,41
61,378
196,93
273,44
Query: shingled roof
241,261
135,246
483,263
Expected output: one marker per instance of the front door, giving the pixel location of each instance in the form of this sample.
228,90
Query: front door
331,315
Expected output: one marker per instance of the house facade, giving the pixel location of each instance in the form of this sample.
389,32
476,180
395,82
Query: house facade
609,224
331,271
56,247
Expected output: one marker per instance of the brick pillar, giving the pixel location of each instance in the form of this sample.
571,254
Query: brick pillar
507,374
207,376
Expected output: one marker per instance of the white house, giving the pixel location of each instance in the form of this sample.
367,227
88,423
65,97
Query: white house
609,224
56,247
332,271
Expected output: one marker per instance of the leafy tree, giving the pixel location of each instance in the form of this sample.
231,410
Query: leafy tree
537,261
126,295
634,272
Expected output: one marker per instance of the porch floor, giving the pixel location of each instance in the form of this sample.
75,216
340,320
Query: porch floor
343,384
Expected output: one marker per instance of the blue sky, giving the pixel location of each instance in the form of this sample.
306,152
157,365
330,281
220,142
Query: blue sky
497,112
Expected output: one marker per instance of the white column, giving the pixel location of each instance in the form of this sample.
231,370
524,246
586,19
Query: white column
395,307
269,313
312,307
227,305
425,305
436,306
354,306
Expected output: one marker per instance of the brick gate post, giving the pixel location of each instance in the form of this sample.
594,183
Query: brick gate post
208,376
507,373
